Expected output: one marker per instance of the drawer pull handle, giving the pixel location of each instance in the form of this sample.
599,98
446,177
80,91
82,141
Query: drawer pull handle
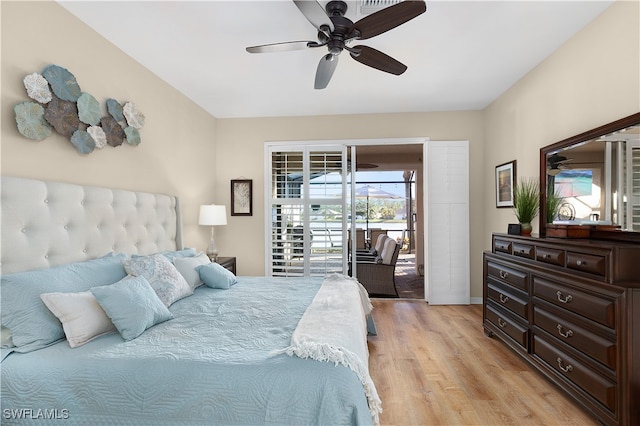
503,298
504,274
581,262
565,334
547,256
564,300
567,369
502,323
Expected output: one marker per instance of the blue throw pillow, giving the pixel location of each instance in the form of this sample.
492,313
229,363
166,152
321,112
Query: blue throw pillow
32,325
216,276
132,305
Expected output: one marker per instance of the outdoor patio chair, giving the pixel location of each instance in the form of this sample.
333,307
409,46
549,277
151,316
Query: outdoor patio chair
369,255
378,277
360,239
374,233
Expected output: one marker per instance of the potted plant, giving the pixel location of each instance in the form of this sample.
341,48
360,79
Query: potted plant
526,203
553,205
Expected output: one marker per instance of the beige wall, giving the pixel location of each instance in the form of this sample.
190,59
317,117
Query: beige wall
591,80
240,145
177,154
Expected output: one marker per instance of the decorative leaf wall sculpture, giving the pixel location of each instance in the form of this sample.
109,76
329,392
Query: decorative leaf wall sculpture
83,141
37,88
134,117
31,122
115,134
115,109
98,135
133,135
63,116
70,111
88,109
62,82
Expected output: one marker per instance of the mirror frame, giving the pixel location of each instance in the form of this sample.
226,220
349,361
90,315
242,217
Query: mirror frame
614,126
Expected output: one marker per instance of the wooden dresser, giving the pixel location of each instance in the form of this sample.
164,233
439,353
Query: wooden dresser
571,307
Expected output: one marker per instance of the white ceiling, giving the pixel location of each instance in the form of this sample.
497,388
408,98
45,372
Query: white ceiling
461,55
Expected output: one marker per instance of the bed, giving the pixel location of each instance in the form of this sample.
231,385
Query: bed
233,350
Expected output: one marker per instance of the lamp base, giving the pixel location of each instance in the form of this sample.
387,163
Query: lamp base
212,251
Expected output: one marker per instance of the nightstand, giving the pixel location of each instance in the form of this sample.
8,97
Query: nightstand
227,262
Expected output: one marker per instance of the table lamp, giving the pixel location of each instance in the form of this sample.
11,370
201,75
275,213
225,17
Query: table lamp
212,215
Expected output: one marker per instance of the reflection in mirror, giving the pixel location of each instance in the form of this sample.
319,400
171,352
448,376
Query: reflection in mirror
596,175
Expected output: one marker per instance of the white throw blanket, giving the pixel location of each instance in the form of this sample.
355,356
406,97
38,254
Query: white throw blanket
322,335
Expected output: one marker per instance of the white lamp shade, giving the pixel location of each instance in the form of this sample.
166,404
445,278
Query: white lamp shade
212,215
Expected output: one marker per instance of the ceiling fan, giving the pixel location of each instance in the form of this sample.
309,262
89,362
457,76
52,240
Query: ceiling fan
336,31
557,163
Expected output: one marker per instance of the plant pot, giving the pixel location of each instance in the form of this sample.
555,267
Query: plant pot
525,229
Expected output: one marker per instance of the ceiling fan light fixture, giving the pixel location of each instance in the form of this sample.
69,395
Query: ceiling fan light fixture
553,171
335,31
368,7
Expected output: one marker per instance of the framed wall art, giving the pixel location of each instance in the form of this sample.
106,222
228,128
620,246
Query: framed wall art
241,197
505,179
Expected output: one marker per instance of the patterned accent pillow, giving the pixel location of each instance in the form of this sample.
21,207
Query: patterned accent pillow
164,278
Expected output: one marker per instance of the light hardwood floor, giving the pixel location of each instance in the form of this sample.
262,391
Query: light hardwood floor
433,365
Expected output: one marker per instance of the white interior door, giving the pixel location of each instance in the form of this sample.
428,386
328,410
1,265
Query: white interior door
447,279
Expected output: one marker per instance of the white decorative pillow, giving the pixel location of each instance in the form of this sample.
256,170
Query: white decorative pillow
7,341
81,316
187,268
163,277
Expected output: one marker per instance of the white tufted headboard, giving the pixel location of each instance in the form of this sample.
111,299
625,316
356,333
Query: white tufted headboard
46,224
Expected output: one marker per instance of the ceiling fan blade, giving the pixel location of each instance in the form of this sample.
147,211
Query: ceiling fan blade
326,67
282,47
378,60
387,18
314,13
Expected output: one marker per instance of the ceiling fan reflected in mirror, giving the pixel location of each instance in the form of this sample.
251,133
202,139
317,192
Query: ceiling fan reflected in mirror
336,32
557,163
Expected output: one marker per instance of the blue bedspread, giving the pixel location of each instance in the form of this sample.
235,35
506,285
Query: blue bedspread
212,364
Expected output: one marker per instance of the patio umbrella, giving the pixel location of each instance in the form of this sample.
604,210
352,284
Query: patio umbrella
368,191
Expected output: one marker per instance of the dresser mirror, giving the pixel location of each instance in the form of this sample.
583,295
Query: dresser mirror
596,174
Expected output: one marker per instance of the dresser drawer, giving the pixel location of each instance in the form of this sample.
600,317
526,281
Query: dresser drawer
591,264
515,277
507,297
523,250
507,325
597,308
574,369
551,256
569,331
501,246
